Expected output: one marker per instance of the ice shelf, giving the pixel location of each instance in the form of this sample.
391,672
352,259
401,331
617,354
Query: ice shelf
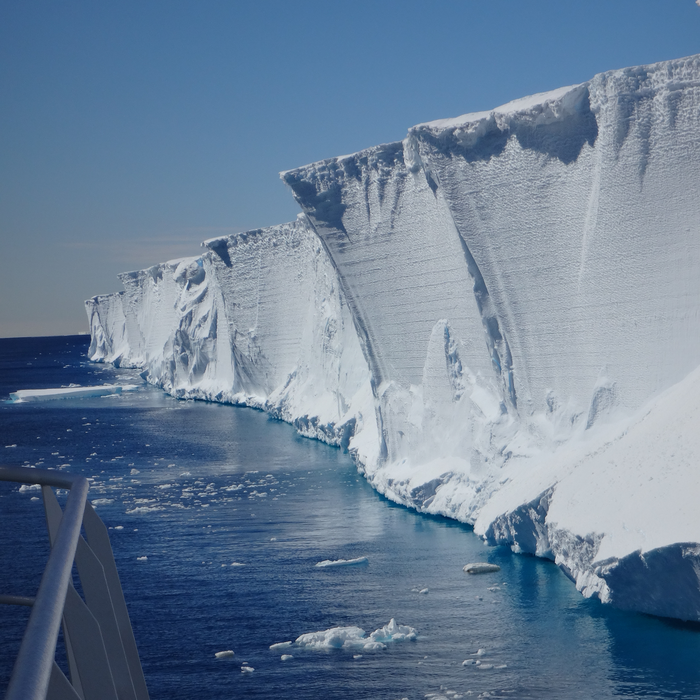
498,316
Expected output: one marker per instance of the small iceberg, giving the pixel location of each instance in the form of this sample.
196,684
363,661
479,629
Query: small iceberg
326,563
280,645
481,568
247,669
354,637
333,638
286,657
73,392
224,654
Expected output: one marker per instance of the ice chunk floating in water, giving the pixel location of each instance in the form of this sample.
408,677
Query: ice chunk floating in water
481,568
334,638
33,395
224,654
327,563
354,637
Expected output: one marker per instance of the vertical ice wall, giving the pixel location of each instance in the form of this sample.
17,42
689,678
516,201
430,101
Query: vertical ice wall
108,334
292,337
540,260
439,366
555,239
582,213
259,320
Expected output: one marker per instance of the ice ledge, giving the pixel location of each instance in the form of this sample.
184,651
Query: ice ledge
543,107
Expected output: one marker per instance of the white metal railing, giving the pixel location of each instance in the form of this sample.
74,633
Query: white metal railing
102,655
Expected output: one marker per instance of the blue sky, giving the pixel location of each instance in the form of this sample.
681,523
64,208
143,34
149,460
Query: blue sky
131,131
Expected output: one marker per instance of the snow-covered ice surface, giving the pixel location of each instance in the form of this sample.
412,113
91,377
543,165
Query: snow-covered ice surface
498,316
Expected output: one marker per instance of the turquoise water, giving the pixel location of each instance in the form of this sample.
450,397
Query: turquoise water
195,487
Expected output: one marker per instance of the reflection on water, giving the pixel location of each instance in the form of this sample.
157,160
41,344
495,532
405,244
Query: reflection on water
198,487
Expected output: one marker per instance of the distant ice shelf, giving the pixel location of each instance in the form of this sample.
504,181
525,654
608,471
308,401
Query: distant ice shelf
499,317
73,392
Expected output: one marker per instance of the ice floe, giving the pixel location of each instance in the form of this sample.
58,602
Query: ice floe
224,654
481,568
328,563
74,392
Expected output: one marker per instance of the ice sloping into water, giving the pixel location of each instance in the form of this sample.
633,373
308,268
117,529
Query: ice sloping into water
501,309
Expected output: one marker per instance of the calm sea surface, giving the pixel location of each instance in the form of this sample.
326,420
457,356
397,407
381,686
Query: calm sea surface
191,488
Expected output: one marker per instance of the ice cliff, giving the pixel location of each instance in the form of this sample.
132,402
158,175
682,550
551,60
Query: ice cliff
257,320
498,316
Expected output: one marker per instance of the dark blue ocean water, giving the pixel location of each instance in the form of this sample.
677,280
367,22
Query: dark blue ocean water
195,487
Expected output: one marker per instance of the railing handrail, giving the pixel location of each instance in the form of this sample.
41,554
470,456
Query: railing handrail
32,671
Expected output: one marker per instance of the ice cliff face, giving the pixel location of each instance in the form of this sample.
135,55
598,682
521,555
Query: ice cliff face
257,320
509,326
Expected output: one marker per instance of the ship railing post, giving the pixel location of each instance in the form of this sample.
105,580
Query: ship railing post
102,655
